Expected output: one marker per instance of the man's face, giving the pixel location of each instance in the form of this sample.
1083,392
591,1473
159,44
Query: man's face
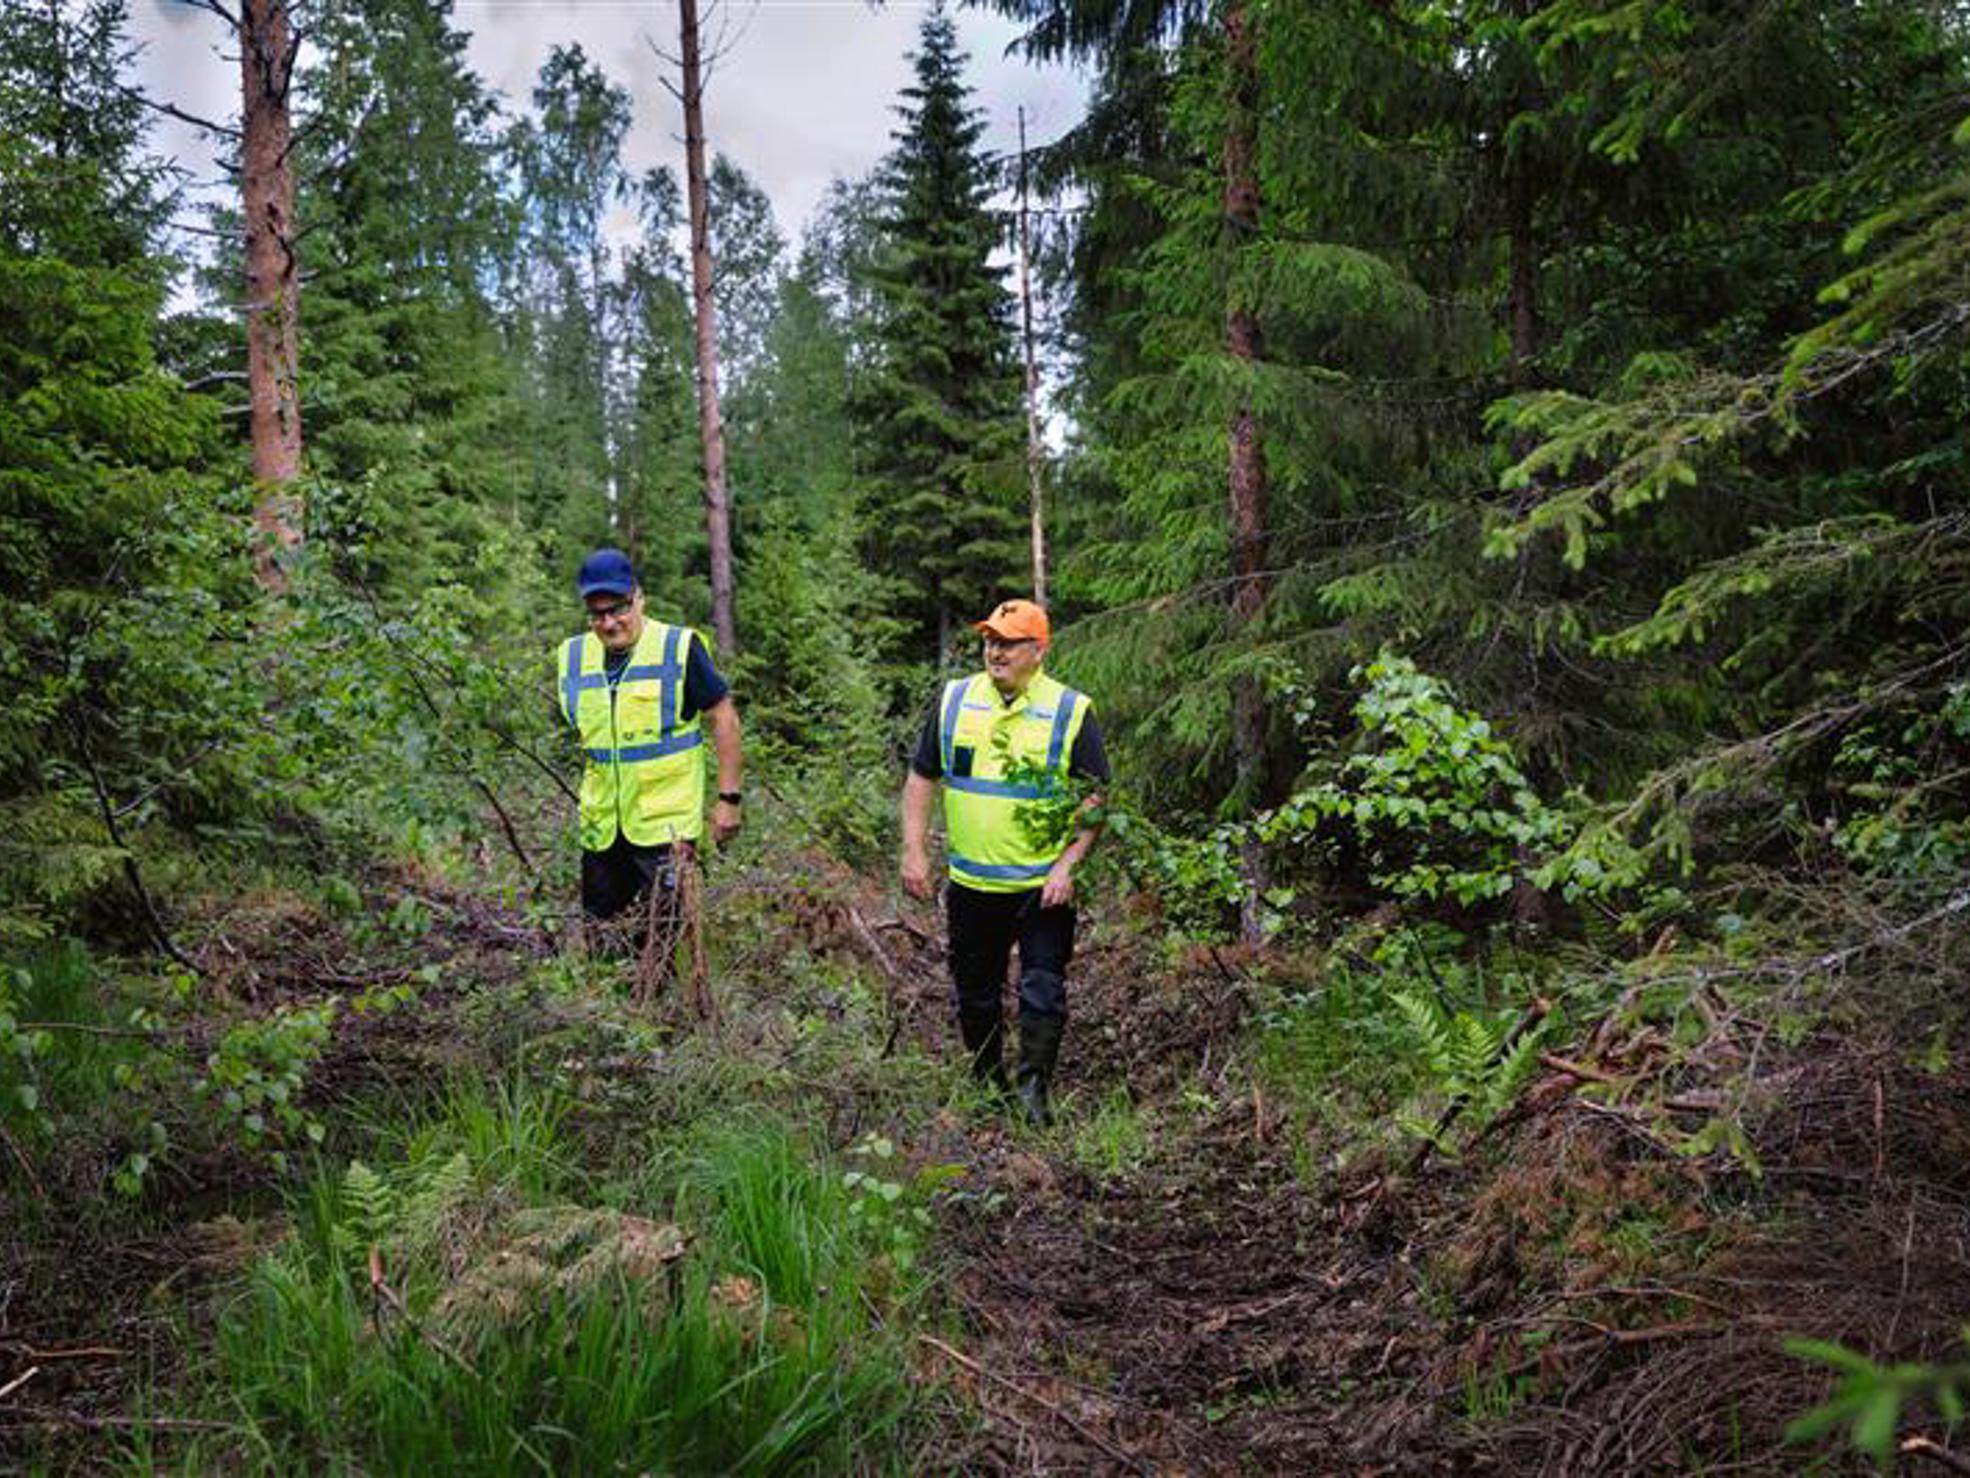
1011,662
617,619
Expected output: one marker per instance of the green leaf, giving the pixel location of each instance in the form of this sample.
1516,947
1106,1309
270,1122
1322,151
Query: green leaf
1829,1353
1874,1428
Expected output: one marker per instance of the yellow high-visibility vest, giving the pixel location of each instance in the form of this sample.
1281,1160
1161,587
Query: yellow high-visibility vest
988,852
645,777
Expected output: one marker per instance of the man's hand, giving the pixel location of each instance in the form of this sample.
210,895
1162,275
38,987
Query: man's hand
725,822
1059,886
916,873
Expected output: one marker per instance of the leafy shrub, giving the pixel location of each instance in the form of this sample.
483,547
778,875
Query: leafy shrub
1871,1399
1436,800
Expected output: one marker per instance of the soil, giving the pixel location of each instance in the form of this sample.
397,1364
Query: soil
1212,1310
1570,1297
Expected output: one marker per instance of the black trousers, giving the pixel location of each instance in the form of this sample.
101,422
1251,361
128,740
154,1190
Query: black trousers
984,929
627,875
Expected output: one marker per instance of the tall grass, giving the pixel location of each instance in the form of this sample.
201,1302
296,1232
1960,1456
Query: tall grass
756,1353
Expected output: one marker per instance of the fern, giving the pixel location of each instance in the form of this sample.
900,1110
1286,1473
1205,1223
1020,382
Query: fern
1476,1042
1431,1023
369,1208
1468,1059
425,1208
1510,1074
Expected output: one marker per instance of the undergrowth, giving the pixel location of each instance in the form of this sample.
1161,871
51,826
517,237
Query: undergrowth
454,1310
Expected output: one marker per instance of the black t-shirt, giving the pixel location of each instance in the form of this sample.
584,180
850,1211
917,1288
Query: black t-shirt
703,687
1087,761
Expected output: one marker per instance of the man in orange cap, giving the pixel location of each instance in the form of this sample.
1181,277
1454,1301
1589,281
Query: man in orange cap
998,741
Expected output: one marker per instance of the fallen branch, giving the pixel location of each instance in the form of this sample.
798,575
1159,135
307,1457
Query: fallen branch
1134,1464
1604,1339
18,1381
892,975
1686,1103
1936,1453
90,1029
42,1416
915,931
21,1159
386,1294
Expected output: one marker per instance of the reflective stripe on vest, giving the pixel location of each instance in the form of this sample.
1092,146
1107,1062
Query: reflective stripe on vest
645,773
988,850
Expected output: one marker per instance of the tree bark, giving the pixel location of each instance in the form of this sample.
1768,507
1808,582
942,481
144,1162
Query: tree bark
1247,470
1521,196
1035,452
267,48
711,421
1524,269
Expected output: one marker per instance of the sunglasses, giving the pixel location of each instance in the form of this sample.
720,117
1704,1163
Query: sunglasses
599,614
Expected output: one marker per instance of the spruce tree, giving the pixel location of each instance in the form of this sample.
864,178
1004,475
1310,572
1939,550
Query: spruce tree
122,576
411,400
568,159
941,440
659,506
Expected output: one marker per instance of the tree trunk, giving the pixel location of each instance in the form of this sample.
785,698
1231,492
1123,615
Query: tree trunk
1524,275
1532,907
1035,453
711,421
1522,245
1247,475
267,47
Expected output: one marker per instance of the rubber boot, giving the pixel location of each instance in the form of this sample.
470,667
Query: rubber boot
985,1042
1039,1047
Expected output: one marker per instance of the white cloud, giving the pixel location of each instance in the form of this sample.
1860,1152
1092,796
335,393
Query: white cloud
804,93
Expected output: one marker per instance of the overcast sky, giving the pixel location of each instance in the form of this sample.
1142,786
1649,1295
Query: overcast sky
803,95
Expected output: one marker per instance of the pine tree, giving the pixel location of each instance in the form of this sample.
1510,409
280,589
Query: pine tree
940,436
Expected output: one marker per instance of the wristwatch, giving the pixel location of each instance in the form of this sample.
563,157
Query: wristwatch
731,797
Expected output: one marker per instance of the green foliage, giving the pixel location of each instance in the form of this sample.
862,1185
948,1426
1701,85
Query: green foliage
618,1354
1115,1140
408,713
1900,780
816,703
1476,1062
1871,1400
410,397
894,1215
61,1056
256,1070
1438,804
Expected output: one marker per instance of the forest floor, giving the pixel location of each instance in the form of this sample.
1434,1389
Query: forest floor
1199,1269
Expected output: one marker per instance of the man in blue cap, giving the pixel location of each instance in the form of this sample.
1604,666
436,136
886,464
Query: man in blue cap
640,694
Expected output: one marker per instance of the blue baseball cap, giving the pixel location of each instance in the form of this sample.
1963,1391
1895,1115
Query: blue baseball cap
606,572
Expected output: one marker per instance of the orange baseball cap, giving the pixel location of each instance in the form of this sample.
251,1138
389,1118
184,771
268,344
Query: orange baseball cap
1017,620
